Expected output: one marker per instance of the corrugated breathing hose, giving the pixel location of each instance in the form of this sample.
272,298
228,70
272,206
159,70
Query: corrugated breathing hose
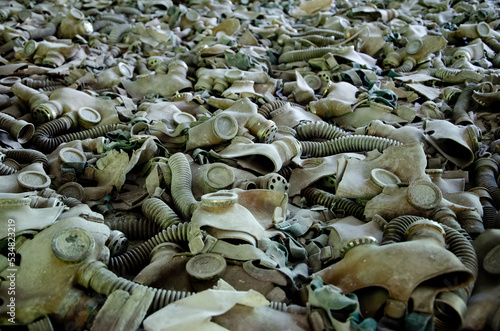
118,31
40,83
346,144
114,18
180,187
6,170
43,324
485,172
138,257
493,43
286,172
43,136
457,242
160,213
319,129
305,54
407,65
496,221
320,32
70,202
134,229
101,24
97,277
267,108
316,196
27,156
462,106
394,231
489,213
45,139
319,41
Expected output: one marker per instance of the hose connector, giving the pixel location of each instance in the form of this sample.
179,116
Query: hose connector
262,128
44,110
21,130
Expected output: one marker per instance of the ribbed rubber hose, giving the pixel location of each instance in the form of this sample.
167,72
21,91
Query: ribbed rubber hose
485,177
114,51
162,67
493,43
107,29
458,244
118,31
104,281
286,172
320,32
462,106
447,75
44,138
180,188
114,18
160,213
319,41
395,230
98,131
4,14
489,213
117,243
27,156
346,144
462,248
316,196
267,108
138,257
305,54
406,66
43,324
6,170
101,24
319,129
70,202
134,229
39,83
496,222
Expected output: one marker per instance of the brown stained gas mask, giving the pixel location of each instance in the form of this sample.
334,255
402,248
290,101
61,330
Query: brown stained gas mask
386,277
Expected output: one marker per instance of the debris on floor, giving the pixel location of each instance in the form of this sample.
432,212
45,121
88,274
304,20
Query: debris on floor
249,165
